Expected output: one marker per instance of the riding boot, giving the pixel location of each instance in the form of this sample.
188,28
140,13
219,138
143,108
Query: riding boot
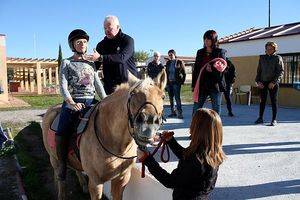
62,156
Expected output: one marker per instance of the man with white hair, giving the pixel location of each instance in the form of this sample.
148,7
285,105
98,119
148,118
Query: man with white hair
116,52
155,67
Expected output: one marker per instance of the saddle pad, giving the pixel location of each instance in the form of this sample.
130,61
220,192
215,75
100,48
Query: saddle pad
82,123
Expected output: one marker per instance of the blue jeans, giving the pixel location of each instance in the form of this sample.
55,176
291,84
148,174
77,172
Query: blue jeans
215,101
174,91
68,120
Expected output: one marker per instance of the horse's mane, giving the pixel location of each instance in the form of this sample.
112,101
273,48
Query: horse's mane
140,85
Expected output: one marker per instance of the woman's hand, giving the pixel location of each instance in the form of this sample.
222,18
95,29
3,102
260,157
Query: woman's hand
271,85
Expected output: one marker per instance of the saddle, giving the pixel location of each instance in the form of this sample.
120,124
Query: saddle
75,138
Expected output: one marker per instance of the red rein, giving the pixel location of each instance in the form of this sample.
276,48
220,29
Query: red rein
165,146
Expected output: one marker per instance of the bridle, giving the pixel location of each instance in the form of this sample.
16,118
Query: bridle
131,122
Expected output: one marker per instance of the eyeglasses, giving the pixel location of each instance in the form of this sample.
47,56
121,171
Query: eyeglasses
170,55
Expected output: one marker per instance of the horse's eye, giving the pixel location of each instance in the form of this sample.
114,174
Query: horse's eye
157,121
140,119
163,97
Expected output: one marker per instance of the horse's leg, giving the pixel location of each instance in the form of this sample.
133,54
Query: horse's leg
96,190
83,181
60,185
118,185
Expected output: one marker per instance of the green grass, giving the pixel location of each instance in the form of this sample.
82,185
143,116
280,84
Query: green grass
33,165
186,93
41,101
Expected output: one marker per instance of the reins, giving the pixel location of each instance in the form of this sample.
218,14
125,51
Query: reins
165,146
102,145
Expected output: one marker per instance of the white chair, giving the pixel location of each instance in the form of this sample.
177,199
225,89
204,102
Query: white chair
243,90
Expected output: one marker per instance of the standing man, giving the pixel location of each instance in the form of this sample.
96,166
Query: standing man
229,76
155,67
116,52
176,76
269,74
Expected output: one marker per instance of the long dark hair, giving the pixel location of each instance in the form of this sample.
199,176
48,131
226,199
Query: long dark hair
206,138
213,36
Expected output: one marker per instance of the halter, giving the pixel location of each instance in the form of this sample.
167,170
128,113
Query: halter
132,118
131,123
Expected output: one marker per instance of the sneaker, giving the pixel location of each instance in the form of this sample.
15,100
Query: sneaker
230,114
273,123
259,121
180,116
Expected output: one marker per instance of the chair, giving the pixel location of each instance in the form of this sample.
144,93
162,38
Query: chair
243,90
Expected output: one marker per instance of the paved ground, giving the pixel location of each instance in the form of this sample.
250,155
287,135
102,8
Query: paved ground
21,115
262,161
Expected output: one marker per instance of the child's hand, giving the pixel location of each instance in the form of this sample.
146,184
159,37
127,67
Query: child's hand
167,135
142,155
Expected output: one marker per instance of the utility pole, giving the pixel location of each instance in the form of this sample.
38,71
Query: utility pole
269,13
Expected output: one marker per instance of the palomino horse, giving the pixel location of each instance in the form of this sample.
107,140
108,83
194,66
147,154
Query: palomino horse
130,116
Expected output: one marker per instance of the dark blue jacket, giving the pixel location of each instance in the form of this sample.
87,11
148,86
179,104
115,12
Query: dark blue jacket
154,69
117,60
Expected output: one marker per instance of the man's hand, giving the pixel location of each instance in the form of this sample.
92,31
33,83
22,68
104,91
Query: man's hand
271,85
259,85
94,57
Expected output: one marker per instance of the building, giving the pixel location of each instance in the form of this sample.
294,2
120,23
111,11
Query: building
3,72
244,49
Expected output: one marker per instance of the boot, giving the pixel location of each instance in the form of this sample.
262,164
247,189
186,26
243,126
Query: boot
62,156
180,116
173,114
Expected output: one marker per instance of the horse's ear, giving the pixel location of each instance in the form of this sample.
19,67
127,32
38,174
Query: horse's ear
161,79
132,79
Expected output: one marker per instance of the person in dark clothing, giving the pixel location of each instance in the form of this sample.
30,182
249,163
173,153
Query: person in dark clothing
269,74
155,67
212,83
197,171
229,76
116,52
176,76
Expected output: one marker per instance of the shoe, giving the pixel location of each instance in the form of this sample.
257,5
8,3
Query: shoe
273,123
230,114
259,121
180,116
173,114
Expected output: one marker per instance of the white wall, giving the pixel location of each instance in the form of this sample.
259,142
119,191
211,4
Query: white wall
286,44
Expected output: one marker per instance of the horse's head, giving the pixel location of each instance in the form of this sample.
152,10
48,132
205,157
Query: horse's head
145,108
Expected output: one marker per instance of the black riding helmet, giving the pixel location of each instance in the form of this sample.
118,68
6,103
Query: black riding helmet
77,34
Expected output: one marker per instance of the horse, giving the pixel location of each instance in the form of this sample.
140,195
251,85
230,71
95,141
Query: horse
129,117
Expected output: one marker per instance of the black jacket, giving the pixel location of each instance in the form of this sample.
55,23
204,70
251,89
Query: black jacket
154,69
229,73
211,81
270,68
179,71
190,180
117,60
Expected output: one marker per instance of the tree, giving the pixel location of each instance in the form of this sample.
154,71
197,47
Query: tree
141,56
59,58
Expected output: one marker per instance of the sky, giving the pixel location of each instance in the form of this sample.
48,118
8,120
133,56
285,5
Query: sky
35,28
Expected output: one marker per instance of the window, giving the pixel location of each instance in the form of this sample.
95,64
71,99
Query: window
291,75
